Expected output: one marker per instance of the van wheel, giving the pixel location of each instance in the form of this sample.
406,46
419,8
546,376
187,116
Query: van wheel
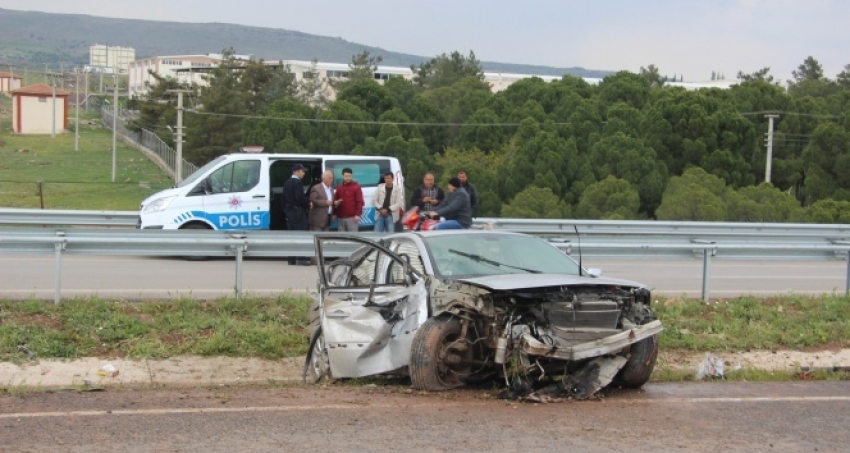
195,226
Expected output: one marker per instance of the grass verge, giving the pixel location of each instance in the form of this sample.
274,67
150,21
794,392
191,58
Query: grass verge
795,322
249,327
273,328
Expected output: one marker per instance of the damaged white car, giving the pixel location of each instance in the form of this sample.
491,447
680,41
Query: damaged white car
453,307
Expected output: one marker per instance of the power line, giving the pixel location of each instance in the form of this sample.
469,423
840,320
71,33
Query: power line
777,112
376,123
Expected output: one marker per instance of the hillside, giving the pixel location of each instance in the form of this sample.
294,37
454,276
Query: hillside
34,38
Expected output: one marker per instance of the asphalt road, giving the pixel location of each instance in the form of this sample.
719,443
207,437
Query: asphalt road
25,276
691,417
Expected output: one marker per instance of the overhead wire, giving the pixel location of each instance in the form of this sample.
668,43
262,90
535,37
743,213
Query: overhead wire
364,122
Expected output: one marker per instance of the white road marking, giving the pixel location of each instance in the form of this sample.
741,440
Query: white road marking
192,410
182,292
751,399
219,410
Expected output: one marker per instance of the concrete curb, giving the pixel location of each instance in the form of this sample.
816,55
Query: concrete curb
187,370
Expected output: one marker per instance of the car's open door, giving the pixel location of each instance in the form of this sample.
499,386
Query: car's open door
371,302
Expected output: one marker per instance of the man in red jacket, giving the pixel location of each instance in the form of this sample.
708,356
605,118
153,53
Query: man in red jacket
350,207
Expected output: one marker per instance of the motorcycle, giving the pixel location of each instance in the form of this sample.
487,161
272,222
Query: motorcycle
414,221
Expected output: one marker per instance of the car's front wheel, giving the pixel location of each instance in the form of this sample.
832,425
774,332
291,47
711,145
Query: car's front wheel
439,356
638,368
317,366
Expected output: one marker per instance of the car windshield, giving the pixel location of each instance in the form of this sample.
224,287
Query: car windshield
480,254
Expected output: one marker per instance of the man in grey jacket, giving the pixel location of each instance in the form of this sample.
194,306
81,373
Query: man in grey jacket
456,208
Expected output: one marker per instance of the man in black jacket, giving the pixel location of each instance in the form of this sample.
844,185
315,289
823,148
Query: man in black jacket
470,189
455,208
295,205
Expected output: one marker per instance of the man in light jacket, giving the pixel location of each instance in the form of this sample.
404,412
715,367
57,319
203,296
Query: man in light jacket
322,197
388,201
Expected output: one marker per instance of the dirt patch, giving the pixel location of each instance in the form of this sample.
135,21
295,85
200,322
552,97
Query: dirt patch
780,360
187,370
194,370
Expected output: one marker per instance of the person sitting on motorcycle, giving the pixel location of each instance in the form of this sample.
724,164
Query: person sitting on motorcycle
456,208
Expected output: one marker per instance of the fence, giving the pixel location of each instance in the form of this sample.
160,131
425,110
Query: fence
599,239
146,141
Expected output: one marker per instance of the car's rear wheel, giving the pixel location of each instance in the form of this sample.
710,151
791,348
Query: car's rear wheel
439,355
317,366
641,362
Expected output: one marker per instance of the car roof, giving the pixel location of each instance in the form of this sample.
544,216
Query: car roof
426,234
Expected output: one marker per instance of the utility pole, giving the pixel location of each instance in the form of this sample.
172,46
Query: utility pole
86,89
178,161
114,121
770,118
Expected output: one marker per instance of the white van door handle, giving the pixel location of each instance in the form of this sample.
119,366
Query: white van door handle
259,196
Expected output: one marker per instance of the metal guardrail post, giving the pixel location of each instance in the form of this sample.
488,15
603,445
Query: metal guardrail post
707,253
239,248
847,280
57,267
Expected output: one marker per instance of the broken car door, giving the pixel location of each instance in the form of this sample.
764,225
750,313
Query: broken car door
371,305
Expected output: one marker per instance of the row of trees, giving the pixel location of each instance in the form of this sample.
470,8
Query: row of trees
628,148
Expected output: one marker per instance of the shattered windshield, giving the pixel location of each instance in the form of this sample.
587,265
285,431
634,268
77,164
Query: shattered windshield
480,254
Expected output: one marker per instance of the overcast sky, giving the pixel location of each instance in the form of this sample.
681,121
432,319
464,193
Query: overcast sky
682,37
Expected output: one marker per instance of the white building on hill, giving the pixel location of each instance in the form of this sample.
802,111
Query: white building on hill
189,68
111,57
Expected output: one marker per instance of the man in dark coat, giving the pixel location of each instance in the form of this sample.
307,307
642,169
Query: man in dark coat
455,208
295,205
470,189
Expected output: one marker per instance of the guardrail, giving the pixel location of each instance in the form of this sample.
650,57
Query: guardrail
782,242
53,217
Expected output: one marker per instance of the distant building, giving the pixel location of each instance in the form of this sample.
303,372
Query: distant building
189,68
119,58
9,82
32,110
185,68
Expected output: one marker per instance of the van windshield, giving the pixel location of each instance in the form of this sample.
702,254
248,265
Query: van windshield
201,172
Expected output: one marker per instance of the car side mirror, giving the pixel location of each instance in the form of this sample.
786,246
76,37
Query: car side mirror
594,272
199,189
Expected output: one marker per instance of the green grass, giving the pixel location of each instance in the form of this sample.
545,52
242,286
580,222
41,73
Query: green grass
792,322
276,327
248,327
73,179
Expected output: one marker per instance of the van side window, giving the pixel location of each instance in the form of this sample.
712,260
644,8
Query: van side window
237,176
368,173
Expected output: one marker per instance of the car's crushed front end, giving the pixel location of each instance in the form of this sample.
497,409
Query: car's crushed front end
586,331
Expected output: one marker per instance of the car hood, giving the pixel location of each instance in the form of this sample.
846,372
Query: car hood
528,281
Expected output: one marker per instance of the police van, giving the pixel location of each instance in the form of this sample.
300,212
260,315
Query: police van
243,191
